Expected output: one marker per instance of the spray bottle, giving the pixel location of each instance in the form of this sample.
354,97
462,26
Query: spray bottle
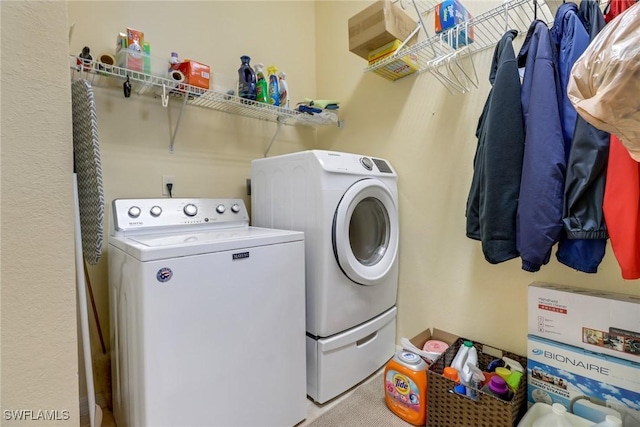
284,89
477,377
274,91
517,371
262,90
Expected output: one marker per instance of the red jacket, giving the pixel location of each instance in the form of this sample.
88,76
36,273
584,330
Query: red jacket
622,191
622,208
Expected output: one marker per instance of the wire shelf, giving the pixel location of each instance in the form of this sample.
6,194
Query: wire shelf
487,29
100,75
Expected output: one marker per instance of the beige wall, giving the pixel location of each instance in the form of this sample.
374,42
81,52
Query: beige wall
426,133
213,150
429,137
39,350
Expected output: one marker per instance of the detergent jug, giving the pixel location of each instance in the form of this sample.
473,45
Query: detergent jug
405,385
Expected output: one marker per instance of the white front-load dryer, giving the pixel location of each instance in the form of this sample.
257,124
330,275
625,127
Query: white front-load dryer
347,206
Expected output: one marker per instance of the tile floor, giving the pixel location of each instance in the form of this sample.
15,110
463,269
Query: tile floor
313,410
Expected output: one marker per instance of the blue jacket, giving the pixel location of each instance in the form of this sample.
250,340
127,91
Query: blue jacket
539,217
571,39
583,241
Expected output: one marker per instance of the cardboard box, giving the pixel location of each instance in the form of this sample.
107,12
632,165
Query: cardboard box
195,73
377,25
437,334
449,15
598,321
590,385
398,68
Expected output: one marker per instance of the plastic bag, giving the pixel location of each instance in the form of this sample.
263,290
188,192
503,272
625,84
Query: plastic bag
604,85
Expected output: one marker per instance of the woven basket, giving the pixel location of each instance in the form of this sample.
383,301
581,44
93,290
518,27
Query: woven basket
448,409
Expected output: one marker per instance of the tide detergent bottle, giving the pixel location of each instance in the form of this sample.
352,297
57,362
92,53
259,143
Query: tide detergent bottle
405,386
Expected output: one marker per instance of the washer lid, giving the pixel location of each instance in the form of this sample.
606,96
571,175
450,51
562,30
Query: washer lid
149,247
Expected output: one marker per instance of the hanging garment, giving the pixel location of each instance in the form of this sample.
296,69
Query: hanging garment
539,217
493,198
616,7
604,85
571,40
583,240
622,209
622,190
591,16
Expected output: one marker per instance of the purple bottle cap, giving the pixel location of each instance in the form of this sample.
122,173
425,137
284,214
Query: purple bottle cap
498,385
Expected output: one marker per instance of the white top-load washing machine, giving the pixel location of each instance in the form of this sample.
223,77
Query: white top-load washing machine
207,316
347,206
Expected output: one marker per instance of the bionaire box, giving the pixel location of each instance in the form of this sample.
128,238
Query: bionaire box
590,385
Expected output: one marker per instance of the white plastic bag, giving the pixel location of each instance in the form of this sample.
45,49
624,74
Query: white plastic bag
604,85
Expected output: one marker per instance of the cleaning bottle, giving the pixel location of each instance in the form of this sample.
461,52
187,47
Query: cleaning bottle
477,378
497,387
262,90
246,80
610,421
405,385
460,361
173,62
284,89
274,91
516,372
556,418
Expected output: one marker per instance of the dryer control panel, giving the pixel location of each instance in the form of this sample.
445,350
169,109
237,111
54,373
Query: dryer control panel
146,215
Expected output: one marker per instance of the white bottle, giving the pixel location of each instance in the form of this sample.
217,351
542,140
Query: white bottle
460,360
556,418
610,421
467,372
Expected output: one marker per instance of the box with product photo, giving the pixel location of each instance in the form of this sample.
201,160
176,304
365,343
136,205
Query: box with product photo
598,321
590,385
453,20
377,25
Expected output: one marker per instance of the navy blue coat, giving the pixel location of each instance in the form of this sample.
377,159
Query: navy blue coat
582,244
493,197
539,218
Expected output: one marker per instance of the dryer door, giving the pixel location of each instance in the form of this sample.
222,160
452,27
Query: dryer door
365,232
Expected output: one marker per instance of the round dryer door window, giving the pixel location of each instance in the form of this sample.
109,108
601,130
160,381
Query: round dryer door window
365,232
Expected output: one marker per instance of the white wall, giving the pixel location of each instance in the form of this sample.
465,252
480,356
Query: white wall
39,349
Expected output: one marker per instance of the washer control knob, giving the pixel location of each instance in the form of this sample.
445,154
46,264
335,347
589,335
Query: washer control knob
366,163
190,210
220,209
235,208
155,211
134,212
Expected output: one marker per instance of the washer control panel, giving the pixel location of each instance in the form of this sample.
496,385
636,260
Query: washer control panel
147,214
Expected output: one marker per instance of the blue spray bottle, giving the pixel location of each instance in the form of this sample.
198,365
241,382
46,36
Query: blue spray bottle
274,91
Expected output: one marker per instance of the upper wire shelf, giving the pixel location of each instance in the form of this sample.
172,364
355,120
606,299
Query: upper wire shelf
487,28
142,83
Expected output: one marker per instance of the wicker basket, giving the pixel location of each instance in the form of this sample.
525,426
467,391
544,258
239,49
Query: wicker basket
448,409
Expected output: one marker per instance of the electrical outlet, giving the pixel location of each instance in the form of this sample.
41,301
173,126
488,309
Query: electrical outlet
167,179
